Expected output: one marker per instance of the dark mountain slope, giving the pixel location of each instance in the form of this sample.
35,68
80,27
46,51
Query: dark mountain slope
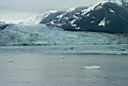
102,17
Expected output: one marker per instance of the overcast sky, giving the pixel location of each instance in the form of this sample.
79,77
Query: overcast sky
24,7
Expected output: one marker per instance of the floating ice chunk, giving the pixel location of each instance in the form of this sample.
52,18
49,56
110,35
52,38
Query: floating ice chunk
93,67
60,57
10,61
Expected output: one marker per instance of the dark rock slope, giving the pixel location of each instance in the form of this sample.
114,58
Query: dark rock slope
3,25
103,17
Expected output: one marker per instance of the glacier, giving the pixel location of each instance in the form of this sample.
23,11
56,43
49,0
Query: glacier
25,34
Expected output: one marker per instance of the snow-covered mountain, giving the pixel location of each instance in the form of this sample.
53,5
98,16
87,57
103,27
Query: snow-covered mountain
101,17
39,18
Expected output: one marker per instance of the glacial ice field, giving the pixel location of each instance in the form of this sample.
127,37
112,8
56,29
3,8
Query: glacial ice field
41,35
56,40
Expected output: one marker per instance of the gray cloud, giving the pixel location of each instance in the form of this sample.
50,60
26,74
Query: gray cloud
36,5
20,9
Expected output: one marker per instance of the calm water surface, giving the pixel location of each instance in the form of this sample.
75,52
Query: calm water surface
21,66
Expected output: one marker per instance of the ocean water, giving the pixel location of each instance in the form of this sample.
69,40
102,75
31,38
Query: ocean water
63,65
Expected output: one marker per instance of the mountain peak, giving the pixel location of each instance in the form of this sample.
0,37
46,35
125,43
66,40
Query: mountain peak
37,19
105,16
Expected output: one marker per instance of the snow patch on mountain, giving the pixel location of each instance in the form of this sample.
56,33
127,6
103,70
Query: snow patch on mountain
98,6
38,19
102,22
63,14
60,16
111,10
71,9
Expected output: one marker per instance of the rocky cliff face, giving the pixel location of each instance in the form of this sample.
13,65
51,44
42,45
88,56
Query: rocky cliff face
102,17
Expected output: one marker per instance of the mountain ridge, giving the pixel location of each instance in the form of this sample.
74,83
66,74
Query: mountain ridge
103,17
